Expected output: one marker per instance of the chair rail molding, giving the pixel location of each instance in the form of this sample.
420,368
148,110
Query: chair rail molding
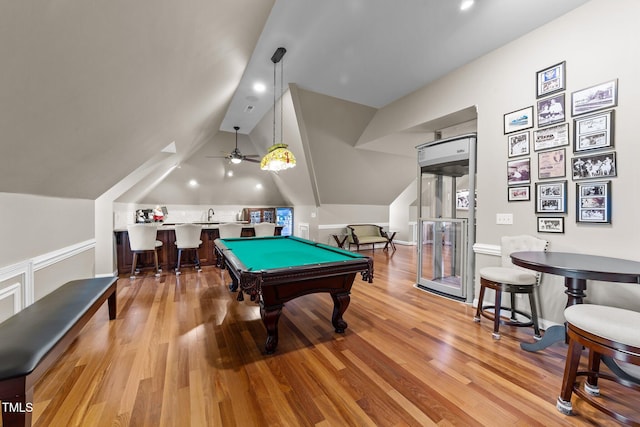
486,249
23,272
50,258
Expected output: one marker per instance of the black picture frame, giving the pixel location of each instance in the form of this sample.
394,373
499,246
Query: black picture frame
462,200
595,98
551,197
552,164
594,166
551,110
551,137
519,194
519,144
551,224
551,80
593,202
519,171
593,132
518,120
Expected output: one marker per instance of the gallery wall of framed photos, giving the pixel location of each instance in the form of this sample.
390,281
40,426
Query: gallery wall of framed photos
544,153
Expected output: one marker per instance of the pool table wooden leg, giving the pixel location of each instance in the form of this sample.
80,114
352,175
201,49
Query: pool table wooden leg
340,304
270,317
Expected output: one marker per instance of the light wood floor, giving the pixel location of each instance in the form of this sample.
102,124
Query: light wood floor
183,351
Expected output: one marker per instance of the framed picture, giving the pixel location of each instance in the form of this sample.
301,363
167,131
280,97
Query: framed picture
601,165
551,137
595,98
519,144
551,197
593,202
518,194
593,132
519,171
518,120
550,80
551,224
552,164
551,110
462,200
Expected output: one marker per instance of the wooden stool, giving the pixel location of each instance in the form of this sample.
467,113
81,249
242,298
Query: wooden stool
514,280
605,332
498,278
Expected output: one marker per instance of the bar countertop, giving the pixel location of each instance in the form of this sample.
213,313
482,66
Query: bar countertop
205,225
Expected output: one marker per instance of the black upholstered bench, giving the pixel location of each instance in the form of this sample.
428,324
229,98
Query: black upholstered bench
33,339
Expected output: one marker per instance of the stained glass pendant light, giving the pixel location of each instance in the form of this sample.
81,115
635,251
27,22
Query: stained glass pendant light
278,157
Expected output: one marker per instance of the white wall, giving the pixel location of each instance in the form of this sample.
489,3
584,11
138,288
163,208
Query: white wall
400,213
33,225
332,219
46,242
595,41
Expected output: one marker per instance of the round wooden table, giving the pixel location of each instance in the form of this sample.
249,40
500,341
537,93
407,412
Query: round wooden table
576,270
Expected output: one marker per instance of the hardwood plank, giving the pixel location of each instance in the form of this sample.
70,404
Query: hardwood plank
183,351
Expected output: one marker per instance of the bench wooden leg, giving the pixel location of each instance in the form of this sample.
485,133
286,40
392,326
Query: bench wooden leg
111,302
16,410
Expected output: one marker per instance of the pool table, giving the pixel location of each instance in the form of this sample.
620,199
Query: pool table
277,269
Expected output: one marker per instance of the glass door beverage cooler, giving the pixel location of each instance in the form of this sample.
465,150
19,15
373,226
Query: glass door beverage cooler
284,218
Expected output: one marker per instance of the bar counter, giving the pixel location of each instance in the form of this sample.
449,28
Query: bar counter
168,254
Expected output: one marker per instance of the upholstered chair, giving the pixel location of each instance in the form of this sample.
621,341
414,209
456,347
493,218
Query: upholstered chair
230,230
264,229
142,238
188,238
607,333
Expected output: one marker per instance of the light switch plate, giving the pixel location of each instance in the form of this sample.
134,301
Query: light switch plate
504,218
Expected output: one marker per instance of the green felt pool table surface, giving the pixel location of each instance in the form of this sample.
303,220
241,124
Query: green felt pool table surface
266,253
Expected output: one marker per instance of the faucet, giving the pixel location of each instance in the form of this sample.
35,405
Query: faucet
210,214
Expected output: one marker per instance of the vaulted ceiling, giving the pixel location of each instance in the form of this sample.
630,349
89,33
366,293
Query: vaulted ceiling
90,91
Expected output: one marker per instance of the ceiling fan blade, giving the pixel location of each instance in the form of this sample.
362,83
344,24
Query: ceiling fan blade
251,160
252,155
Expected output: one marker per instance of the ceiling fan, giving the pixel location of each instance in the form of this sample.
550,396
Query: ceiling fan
236,156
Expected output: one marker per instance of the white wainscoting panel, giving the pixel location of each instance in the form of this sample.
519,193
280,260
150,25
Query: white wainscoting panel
12,291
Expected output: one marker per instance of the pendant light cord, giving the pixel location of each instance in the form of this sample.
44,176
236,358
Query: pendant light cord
274,103
281,101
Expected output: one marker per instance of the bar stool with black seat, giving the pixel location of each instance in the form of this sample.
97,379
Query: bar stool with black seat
188,238
143,238
609,332
514,280
264,229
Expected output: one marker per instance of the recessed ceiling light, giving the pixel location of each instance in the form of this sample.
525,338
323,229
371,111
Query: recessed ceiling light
230,173
259,186
193,183
259,87
466,4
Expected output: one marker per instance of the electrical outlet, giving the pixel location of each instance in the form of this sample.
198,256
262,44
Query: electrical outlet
504,218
